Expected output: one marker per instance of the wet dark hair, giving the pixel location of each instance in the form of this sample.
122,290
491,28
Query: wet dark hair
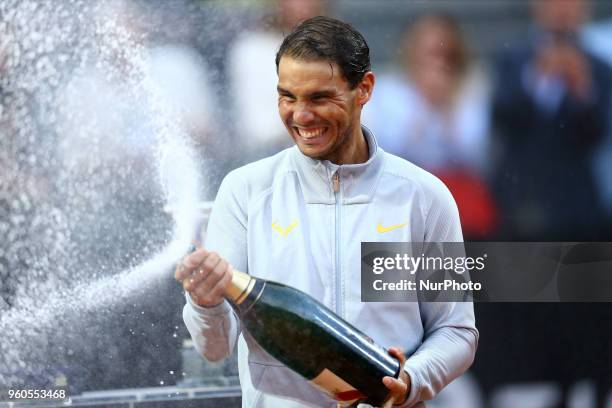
325,38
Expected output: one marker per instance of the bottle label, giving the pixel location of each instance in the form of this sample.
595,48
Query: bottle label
339,389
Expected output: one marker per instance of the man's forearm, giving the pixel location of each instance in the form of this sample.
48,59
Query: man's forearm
214,330
444,355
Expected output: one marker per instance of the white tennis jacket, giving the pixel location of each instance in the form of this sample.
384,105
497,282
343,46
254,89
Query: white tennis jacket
300,221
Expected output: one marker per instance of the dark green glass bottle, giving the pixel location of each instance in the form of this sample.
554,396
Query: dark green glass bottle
313,341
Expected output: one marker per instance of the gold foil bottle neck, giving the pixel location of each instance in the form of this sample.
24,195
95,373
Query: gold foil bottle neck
240,287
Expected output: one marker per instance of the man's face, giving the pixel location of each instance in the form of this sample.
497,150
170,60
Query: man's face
319,109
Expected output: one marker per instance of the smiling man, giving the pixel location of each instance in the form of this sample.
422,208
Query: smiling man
321,109
299,218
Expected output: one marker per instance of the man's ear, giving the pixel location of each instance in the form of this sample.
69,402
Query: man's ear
365,88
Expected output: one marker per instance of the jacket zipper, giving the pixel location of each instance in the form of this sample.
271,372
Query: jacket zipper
338,196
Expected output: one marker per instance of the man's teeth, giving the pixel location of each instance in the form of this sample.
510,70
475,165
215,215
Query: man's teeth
310,133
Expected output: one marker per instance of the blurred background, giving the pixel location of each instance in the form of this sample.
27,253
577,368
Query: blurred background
508,102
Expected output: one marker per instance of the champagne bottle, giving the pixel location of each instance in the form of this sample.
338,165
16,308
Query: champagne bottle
313,341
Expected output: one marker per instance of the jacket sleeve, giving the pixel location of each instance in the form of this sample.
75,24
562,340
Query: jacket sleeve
450,335
215,330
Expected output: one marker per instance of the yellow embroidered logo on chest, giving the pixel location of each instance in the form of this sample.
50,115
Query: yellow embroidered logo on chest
284,231
381,229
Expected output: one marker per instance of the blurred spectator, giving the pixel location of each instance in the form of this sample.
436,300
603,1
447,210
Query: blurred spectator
435,114
597,37
550,110
252,78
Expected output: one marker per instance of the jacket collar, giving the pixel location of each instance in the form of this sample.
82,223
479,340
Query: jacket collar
357,181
